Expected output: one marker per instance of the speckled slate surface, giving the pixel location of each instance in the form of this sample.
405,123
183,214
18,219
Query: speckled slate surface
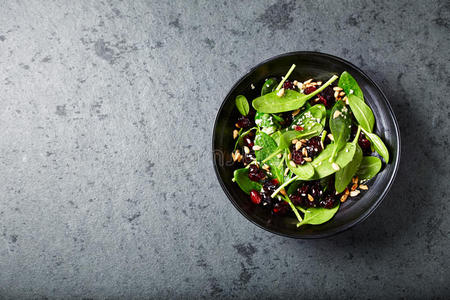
107,186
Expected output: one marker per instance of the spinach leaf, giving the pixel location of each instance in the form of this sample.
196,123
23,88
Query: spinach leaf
322,165
340,125
241,178
362,112
369,167
241,136
288,136
242,105
303,172
312,115
269,146
291,100
378,145
348,84
318,215
266,122
269,86
345,175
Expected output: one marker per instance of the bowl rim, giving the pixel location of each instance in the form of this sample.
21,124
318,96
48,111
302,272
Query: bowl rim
365,214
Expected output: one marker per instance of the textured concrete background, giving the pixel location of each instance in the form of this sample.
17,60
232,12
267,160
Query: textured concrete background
106,181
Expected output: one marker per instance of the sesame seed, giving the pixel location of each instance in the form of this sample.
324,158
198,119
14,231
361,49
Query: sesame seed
292,164
363,187
246,150
252,86
335,166
280,93
354,193
257,148
308,159
235,134
310,198
337,89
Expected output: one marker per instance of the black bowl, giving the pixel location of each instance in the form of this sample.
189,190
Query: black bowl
309,65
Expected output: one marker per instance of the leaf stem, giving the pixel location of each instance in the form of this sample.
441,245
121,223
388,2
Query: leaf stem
272,155
355,140
330,81
283,186
285,77
301,209
299,218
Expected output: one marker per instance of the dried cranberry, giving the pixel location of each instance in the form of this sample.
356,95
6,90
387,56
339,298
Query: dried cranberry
309,90
275,181
296,199
298,128
328,202
297,157
248,142
243,122
280,208
327,96
288,85
313,146
255,197
249,157
365,145
255,174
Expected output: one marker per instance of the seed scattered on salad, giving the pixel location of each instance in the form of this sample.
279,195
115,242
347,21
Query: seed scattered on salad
305,146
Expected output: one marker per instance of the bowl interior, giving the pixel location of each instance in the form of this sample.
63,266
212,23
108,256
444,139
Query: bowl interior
322,67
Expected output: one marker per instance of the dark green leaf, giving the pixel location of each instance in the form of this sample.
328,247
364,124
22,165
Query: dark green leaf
266,122
269,146
241,178
348,84
291,100
242,105
322,165
312,115
304,172
318,215
269,86
340,125
362,112
378,145
345,175
369,167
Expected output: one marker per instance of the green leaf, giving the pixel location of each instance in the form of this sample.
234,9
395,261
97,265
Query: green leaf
269,86
369,167
266,122
348,84
312,115
291,100
241,178
322,165
318,215
241,136
242,105
362,112
345,175
378,145
340,125
304,172
269,146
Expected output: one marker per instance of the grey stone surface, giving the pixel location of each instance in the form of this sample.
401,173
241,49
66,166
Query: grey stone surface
106,181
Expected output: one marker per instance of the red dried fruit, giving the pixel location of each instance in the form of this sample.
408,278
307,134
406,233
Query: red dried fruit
255,197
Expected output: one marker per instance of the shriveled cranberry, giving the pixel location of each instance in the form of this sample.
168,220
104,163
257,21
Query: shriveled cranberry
296,199
255,174
288,85
328,201
327,96
298,128
275,181
313,146
249,157
309,90
280,208
297,157
365,145
255,197
248,142
243,122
